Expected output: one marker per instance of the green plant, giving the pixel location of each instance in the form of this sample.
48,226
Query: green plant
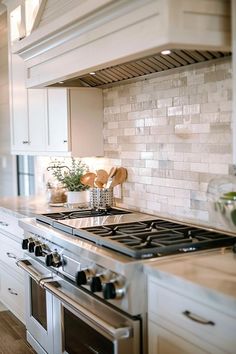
69,177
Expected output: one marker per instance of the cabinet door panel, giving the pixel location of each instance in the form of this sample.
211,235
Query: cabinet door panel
12,293
19,114
58,115
37,119
162,341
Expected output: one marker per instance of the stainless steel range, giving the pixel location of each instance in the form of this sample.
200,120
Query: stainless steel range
85,280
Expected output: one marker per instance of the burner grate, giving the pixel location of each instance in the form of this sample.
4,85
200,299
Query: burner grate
155,238
49,218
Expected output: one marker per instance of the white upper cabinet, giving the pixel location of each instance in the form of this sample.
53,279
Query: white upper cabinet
50,121
18,104
36,120
58,120
75,121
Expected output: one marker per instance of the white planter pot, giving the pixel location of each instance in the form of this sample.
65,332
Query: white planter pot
78,199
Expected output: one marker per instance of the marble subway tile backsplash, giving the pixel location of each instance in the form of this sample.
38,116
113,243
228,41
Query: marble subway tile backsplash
173,134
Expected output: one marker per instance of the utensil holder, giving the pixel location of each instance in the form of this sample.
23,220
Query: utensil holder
101,198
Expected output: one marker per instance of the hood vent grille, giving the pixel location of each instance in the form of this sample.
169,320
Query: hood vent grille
141,67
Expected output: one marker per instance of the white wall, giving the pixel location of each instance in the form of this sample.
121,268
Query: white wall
7,162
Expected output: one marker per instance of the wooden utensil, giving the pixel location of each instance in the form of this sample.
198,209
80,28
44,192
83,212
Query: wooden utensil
119,177
88,179
102,176
98,183
110,176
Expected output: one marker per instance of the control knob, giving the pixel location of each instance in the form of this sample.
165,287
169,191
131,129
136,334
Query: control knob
113,290
96,284
98,281
53,259
24,244
84,277
38,250
31,245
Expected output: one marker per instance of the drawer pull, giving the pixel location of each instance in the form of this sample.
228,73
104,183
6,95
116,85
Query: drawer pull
197,318
11,255
12,292
3,223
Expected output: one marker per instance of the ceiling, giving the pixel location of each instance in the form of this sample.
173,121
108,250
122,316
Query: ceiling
142,67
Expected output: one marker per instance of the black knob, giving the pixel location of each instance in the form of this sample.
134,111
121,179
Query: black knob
49,259
31,245
109,291
96,284
81,278
24,244
38,251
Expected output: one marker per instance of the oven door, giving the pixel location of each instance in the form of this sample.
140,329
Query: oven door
39,302
84,324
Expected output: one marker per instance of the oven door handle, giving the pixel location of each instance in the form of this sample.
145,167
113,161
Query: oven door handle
116,333
28,268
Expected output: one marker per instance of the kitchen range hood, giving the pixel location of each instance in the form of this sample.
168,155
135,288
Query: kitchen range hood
121,39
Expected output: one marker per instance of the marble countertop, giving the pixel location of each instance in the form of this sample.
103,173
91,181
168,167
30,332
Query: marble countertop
208,276
28,206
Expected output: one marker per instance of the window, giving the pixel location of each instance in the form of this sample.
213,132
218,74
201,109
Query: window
25,175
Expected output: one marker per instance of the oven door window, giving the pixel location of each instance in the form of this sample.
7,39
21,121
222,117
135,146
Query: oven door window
79,338
38,303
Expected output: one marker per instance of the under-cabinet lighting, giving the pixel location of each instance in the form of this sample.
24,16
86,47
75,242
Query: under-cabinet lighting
92,73
165,52
61,82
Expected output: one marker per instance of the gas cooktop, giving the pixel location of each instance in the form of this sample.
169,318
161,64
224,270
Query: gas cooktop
135,235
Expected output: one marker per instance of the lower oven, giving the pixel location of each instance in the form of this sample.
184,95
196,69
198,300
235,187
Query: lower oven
78,322
38,307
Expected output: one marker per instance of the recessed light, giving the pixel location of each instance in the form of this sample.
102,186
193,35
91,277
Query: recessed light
61,82
92,73
165,52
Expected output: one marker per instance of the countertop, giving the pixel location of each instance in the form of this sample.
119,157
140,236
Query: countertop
29,206
208,276
32,205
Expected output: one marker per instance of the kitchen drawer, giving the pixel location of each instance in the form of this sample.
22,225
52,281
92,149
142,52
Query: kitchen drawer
10,251
9,224
12,293
208,323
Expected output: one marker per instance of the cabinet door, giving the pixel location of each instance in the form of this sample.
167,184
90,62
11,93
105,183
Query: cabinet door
37,119
12,292
18,100
58,118
161,341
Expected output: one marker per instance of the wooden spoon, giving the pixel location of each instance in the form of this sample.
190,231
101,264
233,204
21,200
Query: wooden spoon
88,179
102,176
98,183
119,177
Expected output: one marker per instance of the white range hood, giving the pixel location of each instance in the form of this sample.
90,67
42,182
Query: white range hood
95,35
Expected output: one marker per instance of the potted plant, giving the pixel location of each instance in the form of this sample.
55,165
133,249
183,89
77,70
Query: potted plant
70,178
